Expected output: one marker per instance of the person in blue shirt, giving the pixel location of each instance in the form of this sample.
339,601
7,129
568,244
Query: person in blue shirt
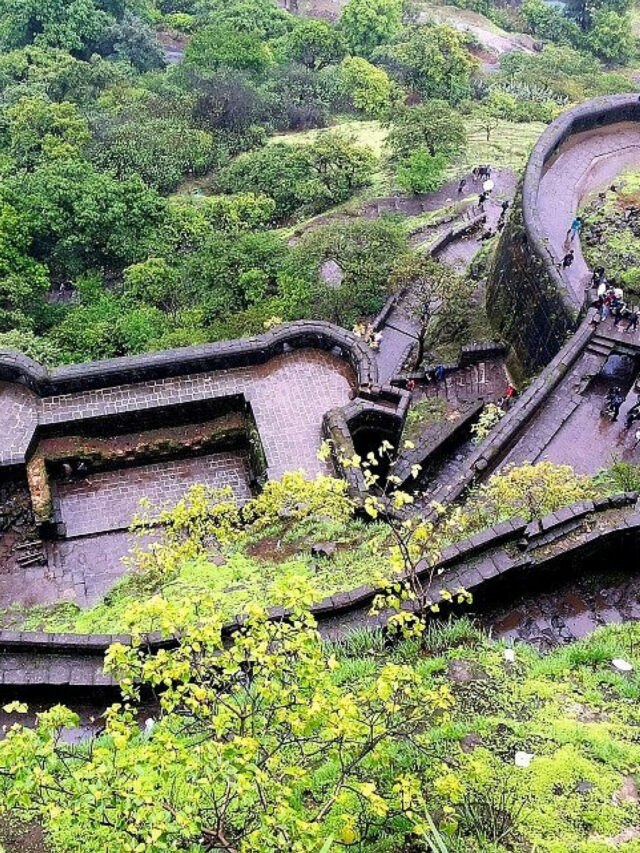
576,225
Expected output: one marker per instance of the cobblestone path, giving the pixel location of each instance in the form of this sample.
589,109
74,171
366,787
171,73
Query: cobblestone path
108,500
289,396
588,162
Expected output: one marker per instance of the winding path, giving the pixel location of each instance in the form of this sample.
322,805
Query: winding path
586,163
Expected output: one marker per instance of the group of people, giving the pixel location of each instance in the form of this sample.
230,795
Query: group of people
479,173
611,303
613,401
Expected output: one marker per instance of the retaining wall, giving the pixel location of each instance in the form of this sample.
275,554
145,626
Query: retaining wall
528,299
224,355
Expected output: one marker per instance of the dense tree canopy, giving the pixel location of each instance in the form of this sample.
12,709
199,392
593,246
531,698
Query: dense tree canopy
97,130
366,24
433,125
432,60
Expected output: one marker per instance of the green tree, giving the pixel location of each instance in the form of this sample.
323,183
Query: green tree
154,282
583,11
39,348
365,251
366,24
436,296
422,172
433,126
316,176
217,47
369,88
339,168
547,22
24,282
610,37
432,60
40,131
278,171
54,74
487,117
132,40
72,25
262,17
81,219
162,151
315,43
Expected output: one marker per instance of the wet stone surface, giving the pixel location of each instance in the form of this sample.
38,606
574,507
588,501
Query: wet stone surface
289,395
587,162
569,612
568,428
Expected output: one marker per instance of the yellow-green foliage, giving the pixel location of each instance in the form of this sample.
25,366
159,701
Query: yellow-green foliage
530,491
570,711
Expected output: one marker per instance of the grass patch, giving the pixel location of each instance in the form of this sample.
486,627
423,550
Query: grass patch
569,709
508,146
428,411
370,133
246,573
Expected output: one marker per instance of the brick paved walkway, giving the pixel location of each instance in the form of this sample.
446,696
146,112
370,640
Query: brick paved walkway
568,428
18,421
289,395
108,500
587,163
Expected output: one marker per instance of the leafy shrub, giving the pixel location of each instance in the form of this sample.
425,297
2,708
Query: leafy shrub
422,172
161,151
296,177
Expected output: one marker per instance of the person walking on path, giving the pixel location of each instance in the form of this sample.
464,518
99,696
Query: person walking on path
461,186
568,259
632,320
576,225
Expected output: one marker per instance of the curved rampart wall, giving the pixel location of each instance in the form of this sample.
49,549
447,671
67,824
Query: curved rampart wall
528,299
225,355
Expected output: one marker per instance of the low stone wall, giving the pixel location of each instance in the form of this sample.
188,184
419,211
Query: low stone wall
225,355
502,560
506,432
434,441
528,299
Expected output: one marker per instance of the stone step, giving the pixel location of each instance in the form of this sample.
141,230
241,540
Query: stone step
600,346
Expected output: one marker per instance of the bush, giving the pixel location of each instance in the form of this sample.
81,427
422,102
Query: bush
422,172
162,151
217,47
302,177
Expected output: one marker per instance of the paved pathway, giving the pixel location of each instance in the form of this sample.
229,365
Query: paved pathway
568,428
402,328
289,395
108,500
588,162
